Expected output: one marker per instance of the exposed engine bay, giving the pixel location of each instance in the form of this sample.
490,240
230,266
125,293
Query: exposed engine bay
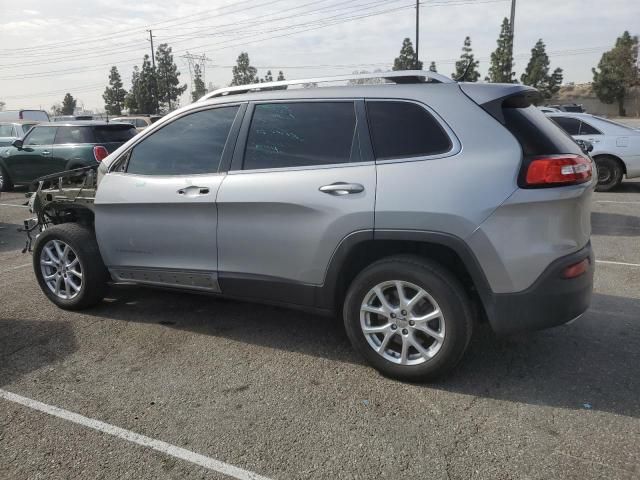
60,198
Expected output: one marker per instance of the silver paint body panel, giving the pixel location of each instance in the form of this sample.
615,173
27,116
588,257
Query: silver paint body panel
278,224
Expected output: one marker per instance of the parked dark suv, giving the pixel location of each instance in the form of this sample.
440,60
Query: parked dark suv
54,147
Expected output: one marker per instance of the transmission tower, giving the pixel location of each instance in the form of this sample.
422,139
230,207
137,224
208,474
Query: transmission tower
193,60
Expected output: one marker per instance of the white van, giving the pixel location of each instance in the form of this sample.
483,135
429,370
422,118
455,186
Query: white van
37,115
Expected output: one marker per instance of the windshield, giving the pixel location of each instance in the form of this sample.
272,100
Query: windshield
6,130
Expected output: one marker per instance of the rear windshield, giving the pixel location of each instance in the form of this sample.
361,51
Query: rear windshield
118,133
536,133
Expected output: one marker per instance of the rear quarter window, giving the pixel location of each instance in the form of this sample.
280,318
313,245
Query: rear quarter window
537,134
404,130
114,133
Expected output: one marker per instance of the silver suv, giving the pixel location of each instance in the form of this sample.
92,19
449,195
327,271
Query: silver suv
414,209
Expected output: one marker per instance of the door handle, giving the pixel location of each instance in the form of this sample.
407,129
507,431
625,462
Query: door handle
194,191
45,152
342,188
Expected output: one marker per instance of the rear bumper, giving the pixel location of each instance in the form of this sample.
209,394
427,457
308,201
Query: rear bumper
551,301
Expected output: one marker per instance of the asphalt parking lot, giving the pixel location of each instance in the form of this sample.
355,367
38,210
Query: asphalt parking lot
281,394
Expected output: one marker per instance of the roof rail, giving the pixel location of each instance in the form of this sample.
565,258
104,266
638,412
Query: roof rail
401,76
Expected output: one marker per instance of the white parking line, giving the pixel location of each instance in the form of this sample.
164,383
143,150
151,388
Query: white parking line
606,262
160,446
14,205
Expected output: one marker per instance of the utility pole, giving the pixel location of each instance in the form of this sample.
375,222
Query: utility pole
418,31
155,78
512,22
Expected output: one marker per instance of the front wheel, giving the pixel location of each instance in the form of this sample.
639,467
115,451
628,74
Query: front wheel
68,266
409,318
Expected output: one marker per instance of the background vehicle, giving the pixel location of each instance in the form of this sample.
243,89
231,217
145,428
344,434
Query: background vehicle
549,109
11,115
10,131
54,147
616,147
71,118
569,107
140,122
386,204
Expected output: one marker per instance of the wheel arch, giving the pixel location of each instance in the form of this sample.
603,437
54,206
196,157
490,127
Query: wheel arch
360,249
613,156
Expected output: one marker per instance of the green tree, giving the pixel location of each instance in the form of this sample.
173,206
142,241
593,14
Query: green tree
114,95
130,101
281,76
147,88
68,104
617,72
2,105
167,78
199,90
501,69
537,72
268,77
433,68
467,60
243,72
56,109
407,59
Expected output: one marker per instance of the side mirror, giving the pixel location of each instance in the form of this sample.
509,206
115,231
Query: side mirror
18,143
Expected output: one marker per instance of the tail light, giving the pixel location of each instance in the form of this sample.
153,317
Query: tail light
556,170
100,153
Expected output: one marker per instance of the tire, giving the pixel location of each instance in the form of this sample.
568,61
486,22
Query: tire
444,293
79,293
609,173
5,181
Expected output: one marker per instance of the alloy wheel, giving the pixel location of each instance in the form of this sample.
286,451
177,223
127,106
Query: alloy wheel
61,269
402,322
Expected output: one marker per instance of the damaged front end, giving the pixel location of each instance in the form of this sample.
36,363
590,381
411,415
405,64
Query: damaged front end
61,198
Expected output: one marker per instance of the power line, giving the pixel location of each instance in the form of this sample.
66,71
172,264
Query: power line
85,40
86,68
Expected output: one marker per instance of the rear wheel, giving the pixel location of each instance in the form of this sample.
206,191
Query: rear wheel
609,173
68,266
409,317
5,181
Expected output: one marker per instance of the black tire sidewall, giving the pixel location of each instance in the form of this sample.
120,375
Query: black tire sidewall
616,173
6,185
446,291
83,243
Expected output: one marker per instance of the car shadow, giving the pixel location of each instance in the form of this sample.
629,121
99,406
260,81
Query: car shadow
10,238
627,187
28,345
615,224
590,364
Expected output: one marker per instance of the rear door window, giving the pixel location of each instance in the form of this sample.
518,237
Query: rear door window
569,125
404,130
114,133
301,134
74,134
41,136
189,145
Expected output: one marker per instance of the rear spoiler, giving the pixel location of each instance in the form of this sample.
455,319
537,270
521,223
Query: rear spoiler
492,97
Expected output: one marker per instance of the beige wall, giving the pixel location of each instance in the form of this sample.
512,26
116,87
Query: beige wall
582,94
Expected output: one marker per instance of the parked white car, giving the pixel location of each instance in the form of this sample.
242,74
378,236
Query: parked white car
616,147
